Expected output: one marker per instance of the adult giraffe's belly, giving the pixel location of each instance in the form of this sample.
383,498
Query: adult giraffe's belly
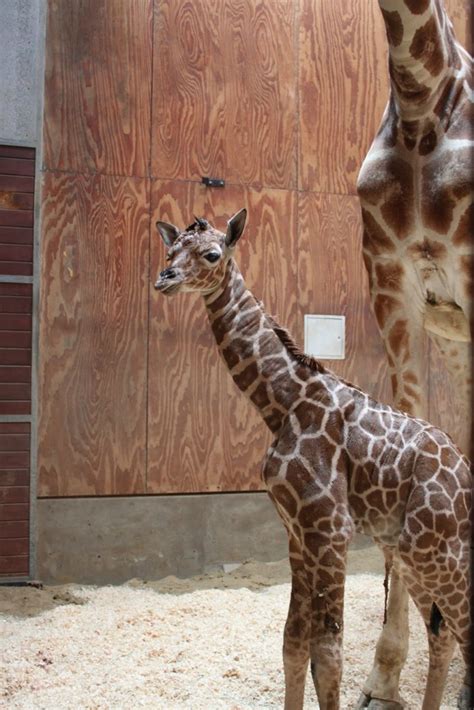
417,215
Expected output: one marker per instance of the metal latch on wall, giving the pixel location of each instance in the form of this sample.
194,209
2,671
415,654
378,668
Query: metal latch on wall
213,182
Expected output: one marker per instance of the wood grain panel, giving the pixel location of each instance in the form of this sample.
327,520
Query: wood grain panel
203,434
446,409
343,87
224,91
332,281
97,86
92,386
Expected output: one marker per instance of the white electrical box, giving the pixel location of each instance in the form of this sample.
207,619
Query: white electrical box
324,336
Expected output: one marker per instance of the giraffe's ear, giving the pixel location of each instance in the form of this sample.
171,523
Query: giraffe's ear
168,232
235,227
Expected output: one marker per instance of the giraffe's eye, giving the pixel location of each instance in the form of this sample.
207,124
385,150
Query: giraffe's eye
212,257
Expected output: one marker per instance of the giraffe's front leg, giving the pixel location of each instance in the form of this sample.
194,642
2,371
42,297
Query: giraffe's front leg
381,690
297,631
327,577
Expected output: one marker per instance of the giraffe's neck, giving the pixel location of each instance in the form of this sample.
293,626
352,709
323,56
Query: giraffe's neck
260,364
423,54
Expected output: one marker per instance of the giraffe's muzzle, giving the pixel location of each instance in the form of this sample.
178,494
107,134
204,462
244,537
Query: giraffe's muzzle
168,281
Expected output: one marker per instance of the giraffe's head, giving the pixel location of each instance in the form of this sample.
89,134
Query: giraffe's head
198,255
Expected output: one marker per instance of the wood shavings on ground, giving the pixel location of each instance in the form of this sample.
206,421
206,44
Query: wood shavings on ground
207,643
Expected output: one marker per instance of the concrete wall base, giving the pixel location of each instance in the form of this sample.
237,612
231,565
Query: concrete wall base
111,540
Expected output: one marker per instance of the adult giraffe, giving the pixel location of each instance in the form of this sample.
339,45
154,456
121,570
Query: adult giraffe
416,195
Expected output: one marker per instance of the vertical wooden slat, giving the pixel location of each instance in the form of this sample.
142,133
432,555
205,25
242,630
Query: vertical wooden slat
17,169
92,387
14,498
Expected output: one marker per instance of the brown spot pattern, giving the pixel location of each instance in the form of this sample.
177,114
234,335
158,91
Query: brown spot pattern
390,275
406,85
393,26
426,46
384,306
398,337
428,143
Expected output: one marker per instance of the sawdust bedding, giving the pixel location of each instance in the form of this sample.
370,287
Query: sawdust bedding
207,643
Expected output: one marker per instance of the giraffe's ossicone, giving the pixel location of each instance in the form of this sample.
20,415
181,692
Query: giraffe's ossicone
340,462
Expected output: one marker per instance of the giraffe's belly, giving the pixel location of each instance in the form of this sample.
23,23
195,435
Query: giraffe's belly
378,522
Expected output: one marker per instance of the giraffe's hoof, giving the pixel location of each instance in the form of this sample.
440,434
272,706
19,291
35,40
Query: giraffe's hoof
464,698
367,703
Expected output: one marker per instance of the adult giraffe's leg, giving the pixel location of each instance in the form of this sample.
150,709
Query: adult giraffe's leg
400,320
398,309
297,631
381,689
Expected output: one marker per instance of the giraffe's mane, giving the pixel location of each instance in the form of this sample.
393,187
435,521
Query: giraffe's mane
293,348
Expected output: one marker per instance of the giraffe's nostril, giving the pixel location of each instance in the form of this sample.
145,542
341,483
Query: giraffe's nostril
168,274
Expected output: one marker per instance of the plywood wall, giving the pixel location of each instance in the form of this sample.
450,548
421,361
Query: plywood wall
281,98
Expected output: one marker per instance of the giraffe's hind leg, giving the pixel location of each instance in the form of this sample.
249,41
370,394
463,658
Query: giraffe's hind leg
434,546
441,642
297,631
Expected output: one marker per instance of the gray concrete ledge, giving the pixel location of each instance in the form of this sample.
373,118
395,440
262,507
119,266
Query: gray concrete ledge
110,540
20,50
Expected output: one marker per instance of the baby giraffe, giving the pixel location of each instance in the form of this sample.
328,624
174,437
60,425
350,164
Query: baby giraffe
340,462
